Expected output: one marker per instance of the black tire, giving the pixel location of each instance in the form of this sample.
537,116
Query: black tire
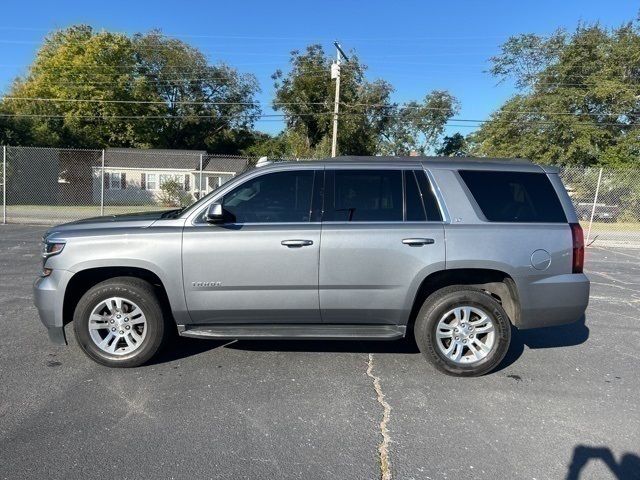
441,302
142,294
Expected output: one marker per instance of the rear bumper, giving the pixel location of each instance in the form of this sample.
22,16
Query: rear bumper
556,300
48,297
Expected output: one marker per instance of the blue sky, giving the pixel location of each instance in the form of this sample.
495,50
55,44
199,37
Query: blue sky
416,45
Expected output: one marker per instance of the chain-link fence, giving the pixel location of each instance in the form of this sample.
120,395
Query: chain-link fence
607,202
51,186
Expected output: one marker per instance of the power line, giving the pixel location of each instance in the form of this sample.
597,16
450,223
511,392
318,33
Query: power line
152,102
326,103
255,117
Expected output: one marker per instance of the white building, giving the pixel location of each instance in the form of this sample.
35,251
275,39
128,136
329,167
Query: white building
135,177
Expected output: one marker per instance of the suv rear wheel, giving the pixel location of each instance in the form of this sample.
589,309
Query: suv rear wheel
462,331
119,322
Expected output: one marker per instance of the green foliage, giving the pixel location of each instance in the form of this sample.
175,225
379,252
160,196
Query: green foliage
453,146
369,122
284,145
78,63
415,127
579,102
172,194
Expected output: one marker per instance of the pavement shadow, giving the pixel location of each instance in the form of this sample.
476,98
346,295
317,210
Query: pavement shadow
549,337
404,345
628,468
182,347
552,337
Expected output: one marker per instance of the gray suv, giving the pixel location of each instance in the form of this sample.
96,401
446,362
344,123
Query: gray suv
452,252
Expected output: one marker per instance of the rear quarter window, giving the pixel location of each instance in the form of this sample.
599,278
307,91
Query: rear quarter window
523,197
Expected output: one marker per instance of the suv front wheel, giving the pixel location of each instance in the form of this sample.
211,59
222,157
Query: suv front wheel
463,331
119,322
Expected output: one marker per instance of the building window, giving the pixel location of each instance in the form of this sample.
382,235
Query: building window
152,181
115,180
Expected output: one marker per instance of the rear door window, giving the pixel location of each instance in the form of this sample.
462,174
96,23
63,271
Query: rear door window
428,197
414,209
363,196
525,197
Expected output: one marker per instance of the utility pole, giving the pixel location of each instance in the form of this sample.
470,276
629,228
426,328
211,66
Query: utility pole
335,74
102,185
4,184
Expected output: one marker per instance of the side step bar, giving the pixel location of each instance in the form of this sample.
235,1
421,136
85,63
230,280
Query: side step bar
294,331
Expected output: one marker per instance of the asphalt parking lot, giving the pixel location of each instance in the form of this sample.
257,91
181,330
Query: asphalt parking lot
564,403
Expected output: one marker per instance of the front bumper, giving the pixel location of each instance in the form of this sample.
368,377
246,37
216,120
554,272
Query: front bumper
555,300
48,296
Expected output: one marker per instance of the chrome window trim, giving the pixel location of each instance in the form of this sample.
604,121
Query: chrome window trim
254,224
373,222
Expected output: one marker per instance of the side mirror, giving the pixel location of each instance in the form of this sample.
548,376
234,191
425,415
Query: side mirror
215,214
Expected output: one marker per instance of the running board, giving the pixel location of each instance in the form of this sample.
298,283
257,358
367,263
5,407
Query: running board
294,331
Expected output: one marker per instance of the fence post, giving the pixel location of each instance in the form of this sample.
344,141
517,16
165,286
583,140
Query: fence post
4,184
200,180
102,185
593,208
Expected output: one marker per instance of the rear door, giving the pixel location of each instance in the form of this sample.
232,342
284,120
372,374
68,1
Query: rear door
382,233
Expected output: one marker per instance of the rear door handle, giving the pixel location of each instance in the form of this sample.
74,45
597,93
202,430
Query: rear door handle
418,242
296,243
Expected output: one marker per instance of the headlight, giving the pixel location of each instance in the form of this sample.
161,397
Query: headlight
52,248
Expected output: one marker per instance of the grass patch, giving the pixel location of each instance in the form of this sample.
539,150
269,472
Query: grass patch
612,226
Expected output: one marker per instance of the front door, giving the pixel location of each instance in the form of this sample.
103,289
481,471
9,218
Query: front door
261,265
382,233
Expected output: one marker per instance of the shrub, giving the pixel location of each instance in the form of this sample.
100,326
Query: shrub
172,194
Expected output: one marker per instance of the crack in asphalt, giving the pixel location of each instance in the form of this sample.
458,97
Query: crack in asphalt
383,448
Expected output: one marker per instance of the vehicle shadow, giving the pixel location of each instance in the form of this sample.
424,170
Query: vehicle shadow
549,337
404,345
181,347
627,468
552,337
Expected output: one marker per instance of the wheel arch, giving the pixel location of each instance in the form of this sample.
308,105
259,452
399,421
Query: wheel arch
84,280
500,285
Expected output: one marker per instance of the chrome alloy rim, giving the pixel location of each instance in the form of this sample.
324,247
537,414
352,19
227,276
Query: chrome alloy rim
117,326
465,335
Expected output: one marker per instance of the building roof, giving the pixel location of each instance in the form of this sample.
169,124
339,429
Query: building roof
225,164
172,160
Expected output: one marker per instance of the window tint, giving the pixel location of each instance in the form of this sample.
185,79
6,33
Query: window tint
271,198
363,195
414,208
514,196
428,197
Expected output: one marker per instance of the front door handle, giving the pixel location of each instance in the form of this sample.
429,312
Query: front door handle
418,242
296,243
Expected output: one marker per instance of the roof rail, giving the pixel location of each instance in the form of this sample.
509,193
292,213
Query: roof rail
262,161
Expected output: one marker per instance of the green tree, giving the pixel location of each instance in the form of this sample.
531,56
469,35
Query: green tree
453,146
415,126
306,96
369,124
180,77
578,102
102,81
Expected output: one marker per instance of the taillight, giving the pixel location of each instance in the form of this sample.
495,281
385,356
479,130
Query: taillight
578,247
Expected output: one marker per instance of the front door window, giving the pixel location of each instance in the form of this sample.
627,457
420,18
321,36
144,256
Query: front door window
279,197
